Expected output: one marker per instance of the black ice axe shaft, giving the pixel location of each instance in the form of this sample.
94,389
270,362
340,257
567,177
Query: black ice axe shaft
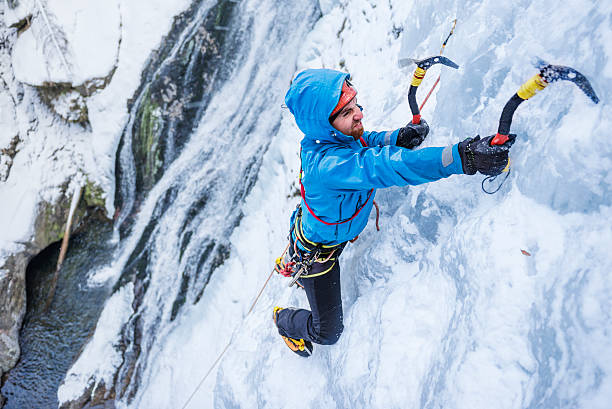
548,74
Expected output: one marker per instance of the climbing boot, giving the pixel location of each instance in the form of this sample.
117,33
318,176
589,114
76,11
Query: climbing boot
299,346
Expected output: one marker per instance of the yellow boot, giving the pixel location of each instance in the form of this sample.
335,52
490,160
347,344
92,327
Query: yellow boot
299,346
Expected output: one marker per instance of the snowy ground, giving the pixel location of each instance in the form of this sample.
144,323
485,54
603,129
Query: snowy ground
442,309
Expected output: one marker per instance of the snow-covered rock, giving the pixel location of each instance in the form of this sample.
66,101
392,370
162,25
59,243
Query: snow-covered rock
67,50
12,309
67,42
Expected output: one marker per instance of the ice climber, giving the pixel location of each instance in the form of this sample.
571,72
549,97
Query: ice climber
342,167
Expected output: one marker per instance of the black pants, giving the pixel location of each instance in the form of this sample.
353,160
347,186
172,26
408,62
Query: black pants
323,324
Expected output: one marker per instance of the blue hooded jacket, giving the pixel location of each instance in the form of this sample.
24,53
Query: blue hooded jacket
338,172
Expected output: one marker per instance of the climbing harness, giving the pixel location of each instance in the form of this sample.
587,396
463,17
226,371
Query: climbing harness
548,74
298,261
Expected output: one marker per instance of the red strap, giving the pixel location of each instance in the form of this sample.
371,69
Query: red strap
323,221
303,192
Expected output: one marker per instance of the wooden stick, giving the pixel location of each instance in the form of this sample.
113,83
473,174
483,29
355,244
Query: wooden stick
76,197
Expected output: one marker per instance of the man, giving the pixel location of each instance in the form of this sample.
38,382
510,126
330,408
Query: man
342,167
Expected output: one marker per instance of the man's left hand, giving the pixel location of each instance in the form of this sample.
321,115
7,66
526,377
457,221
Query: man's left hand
412,135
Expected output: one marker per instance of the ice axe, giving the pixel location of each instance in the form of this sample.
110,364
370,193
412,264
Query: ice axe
548,74
422,67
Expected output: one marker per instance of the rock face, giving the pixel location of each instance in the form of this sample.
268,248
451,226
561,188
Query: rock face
13,257
100,398
49,228
12,309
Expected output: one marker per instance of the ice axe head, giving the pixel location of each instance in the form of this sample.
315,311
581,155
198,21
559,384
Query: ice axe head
551,73
425,63
436,59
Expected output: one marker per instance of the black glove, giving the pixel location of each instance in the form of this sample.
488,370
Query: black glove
412,135
479,155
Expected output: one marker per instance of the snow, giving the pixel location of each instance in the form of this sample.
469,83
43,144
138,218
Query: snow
7,116
327,5
17,213
66,55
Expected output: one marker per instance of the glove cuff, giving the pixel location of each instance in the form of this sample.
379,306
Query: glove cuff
467,157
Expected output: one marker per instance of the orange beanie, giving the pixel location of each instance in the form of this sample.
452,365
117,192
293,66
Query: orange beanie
348,93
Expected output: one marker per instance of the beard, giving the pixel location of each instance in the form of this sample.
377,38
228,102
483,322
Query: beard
357,132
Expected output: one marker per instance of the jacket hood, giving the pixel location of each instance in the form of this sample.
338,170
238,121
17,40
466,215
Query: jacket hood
312,96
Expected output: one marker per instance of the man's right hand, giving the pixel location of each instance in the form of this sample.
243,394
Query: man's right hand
479,155
412,135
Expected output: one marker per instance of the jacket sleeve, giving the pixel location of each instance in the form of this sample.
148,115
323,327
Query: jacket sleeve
380,139
346,169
